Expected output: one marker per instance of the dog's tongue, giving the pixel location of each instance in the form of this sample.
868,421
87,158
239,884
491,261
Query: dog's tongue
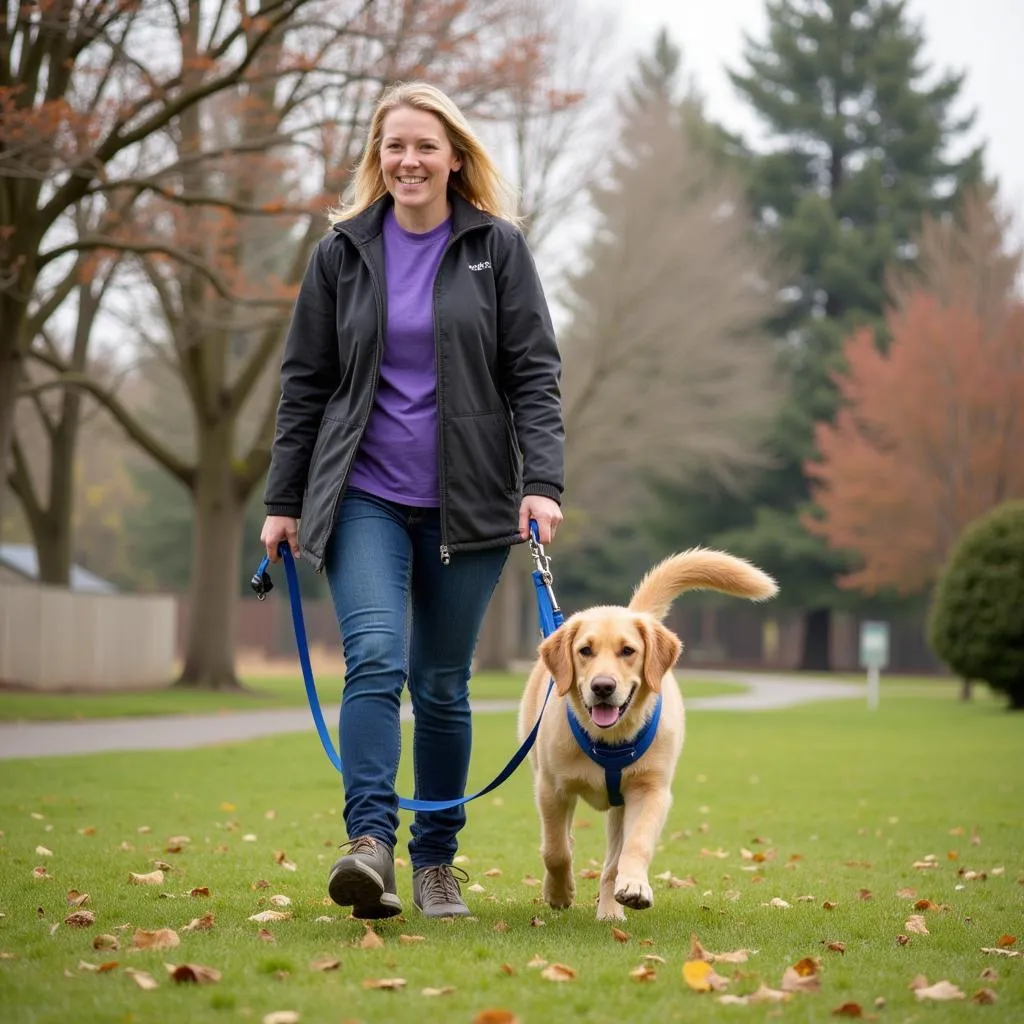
604,715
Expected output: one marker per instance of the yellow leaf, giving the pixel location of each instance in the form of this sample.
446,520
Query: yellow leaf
149,878
558,972
696,974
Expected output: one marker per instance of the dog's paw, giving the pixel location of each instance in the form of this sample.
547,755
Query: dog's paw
635,893
610,911
559,892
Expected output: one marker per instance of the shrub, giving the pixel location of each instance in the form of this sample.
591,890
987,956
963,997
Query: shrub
976,625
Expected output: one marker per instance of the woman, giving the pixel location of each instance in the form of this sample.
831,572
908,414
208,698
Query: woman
419,430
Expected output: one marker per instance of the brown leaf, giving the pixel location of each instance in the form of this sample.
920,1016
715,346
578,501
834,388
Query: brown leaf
410,939
200,890
925,905
619,935
537,922
836,947
495,1017
281,1017
537,961
105,968
829,905
141,978
558,972
371,940
902,940
989,974
200,924
260,883
1006,941
906,894
848,1010
281,858
387,983
149,878
507,969
864,894
80,919
500,926
588,873
41,873
194,973
698,952
89,830
162,938
764,994
76,898
941,991
984,997
915,923
643,973
1011,953
325,963
793,981
265,936
105,942
162,865
445,990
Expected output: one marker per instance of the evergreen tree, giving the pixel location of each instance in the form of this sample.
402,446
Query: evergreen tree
858,151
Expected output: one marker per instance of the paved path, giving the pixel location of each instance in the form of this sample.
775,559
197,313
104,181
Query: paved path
177,732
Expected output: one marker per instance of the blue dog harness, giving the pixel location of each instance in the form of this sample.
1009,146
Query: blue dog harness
614,757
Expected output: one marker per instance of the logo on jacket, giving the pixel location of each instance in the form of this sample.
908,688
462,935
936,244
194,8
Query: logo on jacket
486,265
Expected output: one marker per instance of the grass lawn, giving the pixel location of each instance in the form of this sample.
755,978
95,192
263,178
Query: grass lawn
264,692
841,804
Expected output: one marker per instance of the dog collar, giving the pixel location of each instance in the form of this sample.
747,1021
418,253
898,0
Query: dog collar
614,757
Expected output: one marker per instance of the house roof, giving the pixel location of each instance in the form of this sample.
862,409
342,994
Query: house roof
22,559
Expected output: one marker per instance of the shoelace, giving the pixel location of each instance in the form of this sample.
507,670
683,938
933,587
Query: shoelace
441,884
361,844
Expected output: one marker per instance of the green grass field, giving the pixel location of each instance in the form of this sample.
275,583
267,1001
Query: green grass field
261,692
840,802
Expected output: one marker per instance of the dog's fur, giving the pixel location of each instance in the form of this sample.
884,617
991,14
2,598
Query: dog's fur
618,659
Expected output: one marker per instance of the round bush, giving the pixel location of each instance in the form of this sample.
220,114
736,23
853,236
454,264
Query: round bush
976,625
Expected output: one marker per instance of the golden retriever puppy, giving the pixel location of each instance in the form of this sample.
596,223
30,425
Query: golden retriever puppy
611,668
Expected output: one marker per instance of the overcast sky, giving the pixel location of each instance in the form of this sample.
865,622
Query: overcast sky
985,38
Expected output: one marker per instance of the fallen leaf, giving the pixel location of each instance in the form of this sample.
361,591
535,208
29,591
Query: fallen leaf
281,858
1005,941
701,976
941,991
42,851
654,958
829,905
500,926
194,973
446,990
493,873
149,878
558,972
162,938
281,1017
89,830
902,940
271,915
371,940
537,922
587,873
76,898
865,894
848,1010
41,873
495,1017
777,902
141,978
105,968
926,905
698,952
764,994
537,961
619,935
200,924
915,923
836,947
801,977
643,973
281,901
984,997
409,939
162,865
80,919
265,936
476,887
920,981
200,890
1011,953
530,880
906,894
387,983
105,942
260,883
325,963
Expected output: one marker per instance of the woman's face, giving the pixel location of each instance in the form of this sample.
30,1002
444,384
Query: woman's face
416,159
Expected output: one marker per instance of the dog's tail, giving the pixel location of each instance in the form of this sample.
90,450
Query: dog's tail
699,569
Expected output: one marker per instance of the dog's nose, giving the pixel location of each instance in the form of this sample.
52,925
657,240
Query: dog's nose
602,687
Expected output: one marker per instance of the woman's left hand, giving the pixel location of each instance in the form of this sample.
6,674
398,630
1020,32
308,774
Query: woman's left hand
547,513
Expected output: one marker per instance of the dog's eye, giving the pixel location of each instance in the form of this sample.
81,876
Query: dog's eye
627,651
586,650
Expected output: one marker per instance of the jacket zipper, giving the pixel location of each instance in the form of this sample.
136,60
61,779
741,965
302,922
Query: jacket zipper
379,300
445,550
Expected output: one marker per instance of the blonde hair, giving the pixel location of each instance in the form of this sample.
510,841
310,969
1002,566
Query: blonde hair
478,180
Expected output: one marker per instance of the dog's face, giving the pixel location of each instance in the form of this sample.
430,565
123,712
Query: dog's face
605,657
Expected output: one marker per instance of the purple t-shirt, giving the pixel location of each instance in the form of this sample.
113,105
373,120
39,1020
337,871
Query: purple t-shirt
397,459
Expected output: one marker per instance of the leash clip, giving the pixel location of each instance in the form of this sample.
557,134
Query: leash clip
261,582
541,560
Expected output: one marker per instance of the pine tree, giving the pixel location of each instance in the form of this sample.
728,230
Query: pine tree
857,154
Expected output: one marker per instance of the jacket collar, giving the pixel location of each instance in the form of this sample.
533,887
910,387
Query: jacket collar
369,224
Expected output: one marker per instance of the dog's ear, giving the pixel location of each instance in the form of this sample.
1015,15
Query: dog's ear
556,653
661,651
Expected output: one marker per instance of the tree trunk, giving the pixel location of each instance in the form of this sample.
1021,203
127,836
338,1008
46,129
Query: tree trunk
1016,696
216,554
499,637
965,689
817,656
11,316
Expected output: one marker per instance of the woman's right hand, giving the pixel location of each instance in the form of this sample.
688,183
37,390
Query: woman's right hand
277,529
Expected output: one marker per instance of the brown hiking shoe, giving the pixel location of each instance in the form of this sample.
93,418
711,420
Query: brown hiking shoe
436,891
364,879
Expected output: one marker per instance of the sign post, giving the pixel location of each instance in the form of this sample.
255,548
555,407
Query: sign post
874,655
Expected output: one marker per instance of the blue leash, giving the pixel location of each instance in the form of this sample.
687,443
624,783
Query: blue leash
550,619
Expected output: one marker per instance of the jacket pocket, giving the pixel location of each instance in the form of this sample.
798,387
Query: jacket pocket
332,456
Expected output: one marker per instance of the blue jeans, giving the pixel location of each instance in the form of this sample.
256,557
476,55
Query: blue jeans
403,616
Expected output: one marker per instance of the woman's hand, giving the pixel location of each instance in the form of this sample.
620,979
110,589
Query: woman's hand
547,513
277,529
